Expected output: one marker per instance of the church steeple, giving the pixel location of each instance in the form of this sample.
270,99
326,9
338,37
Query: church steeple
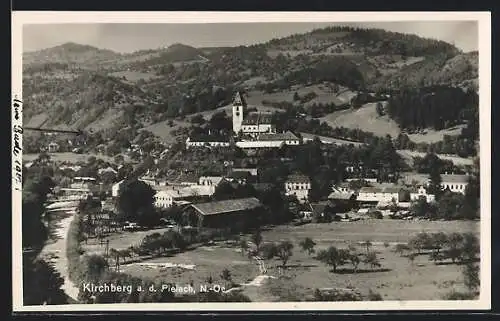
239,106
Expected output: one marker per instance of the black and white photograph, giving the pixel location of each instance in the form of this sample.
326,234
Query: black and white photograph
251,161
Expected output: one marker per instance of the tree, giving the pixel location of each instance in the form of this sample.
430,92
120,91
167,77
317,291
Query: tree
296,96
284,251
42,284
308,245
136,203
368,245
455,247
435,183
401,249
470,247
226,275
380,109
372,260
471,277
257,239
96,265
243,246
354,258
333,257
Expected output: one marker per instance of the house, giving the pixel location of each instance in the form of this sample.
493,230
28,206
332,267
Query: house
235,213
342,188
299,186
84,182
419,192
275,140
150,180
240,177
108,169
249,122
210,180
366,179
381,195
53,147
306,137
207,141
455,183
166,196
115,189
252,171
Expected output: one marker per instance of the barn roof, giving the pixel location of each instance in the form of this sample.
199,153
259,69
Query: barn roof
227,206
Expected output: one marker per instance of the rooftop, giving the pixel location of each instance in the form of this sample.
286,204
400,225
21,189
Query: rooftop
298,178
454,178
256,118
227,206
278,136
340,196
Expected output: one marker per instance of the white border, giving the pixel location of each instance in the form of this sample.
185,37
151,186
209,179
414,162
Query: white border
484,28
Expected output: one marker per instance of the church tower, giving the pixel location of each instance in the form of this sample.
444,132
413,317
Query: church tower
239,106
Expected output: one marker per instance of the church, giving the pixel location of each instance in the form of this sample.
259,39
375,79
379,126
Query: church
250,123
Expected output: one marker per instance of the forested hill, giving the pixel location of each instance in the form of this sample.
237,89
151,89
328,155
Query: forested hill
84,86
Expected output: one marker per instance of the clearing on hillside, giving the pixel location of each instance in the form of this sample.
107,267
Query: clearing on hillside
364,118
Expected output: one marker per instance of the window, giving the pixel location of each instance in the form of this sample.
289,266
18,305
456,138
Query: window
237,113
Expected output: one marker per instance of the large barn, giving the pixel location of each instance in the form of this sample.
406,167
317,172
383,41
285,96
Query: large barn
235,213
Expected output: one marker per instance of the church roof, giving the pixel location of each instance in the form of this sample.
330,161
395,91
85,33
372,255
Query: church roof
238,99
256,118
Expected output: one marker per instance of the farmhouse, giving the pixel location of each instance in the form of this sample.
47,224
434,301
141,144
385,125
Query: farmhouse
249,123
419,192
207,141
299,186
379,195
454,183
53,147
235,214
167,196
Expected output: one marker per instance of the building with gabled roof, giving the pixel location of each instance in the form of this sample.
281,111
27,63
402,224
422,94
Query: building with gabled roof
233,213
299,186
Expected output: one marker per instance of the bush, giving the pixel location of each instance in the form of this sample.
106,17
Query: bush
74,252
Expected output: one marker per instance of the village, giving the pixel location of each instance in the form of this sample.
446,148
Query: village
209,221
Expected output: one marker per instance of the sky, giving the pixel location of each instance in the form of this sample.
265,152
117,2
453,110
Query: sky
129,37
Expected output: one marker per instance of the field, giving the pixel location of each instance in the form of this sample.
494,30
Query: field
364,118
324,94
70,157
134,76
459,161
432,136
397,279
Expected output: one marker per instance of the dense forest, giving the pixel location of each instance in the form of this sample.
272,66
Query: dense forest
435,107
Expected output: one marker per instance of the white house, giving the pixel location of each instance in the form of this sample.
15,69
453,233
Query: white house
115,189
53,147
108,169
421,192
249,123
210,180
276,140
380,195
455,183
168,195
298,185
208,141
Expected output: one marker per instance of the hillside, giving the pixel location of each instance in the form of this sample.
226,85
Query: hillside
70,53
96,89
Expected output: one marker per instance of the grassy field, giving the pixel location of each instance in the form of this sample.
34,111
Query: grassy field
397,279
364,118
134,76
70,157
460,161
432,136
324,95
